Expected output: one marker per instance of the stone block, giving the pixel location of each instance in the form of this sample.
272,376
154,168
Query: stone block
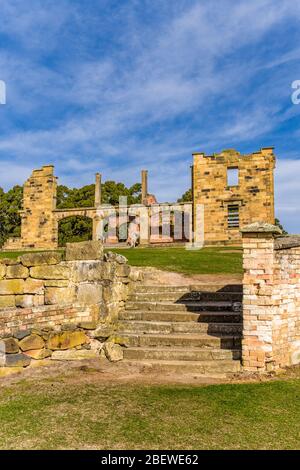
109,270
123,270
56,283
31,342
9,261
38,354
12,287
40,259
22,334
83,271
89,294
111,256
7,301
113,352
75,355
67,340
59,295
24,301
33,286
11,346
17,271
60,272
17,360
91,250
104,331
88,325
2,271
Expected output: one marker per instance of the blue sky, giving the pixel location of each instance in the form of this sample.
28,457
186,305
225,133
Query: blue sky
116,86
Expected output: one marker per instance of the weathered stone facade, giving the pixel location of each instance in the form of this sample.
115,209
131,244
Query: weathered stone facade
271,301
48,304
229,206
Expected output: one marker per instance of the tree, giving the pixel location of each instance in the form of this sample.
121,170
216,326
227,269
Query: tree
186,197
278,224
10,220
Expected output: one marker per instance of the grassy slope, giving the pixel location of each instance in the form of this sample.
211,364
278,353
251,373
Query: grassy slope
62,414
205,261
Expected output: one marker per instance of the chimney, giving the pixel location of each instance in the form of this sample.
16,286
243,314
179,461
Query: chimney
98,190
144,185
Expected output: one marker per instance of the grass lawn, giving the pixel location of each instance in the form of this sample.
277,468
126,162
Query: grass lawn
205,261
59,413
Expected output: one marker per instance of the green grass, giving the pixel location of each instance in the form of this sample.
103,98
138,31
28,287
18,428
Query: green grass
205,261
61,413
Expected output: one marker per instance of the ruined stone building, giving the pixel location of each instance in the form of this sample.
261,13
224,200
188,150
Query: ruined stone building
231,190
235,190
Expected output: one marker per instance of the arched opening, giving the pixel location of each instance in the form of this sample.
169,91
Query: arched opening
75,229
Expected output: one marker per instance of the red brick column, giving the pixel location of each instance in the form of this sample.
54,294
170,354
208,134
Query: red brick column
260,303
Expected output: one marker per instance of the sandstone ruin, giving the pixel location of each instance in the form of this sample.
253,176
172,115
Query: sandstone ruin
230,204
227,205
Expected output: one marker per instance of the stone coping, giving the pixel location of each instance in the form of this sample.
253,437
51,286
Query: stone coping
284,243
261,227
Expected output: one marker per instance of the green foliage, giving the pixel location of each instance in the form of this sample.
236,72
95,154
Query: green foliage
10,221
278,224
186,197
74,229
85,197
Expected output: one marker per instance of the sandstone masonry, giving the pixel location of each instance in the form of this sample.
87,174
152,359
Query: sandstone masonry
48,304
271,301
231,203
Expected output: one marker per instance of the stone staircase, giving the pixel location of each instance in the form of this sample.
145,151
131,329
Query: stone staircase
187,330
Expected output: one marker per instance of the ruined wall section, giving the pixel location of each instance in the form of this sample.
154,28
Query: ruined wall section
49,304
39,227
271,301
254,194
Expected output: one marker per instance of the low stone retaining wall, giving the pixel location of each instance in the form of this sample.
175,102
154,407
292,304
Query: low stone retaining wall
54,307
271,303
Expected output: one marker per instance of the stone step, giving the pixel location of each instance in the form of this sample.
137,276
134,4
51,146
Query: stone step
177,316
142,288
189,288
164,327
188,306
177,340
203,368
179,297
180,354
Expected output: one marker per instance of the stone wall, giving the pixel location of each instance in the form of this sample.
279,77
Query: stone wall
271,304
48,303
253,196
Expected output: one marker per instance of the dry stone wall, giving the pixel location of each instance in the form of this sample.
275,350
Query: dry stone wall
51,304
271,303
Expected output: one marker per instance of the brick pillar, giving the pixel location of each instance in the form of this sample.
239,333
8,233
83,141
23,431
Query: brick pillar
259,300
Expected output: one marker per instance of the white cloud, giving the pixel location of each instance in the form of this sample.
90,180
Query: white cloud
160,93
